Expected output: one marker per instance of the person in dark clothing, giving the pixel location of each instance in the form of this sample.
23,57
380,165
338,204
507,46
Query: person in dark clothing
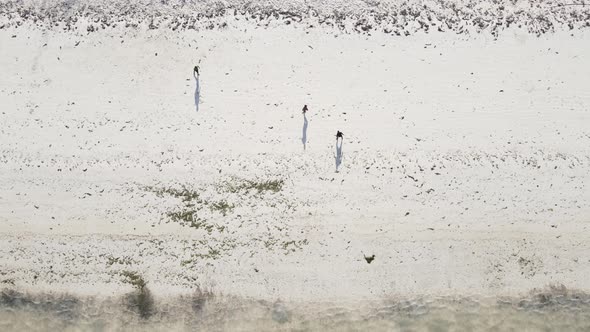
304,109
338,155
197,87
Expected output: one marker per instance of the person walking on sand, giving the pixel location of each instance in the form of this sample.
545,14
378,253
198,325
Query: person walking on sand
197,87
338,155
304,137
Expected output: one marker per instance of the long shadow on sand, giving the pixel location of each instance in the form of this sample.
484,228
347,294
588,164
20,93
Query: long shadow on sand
304,137
338,156
197,91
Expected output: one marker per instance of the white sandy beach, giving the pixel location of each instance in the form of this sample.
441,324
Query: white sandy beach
465,162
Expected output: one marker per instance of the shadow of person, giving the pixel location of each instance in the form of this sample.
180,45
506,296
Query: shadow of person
197,90
338,155
304,137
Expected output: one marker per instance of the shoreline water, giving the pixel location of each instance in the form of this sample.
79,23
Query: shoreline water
555,308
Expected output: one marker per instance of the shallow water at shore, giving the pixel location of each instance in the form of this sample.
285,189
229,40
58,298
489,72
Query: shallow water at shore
556,309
